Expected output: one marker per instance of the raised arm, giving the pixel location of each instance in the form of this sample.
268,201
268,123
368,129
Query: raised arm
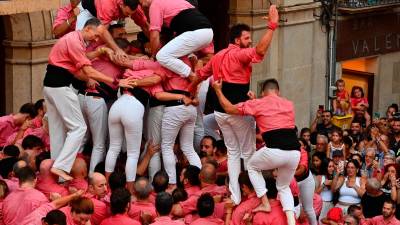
265,41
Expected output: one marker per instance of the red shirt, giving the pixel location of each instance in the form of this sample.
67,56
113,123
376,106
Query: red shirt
140,74
78,184
7,128
101,211
271,112
21,203
137,208
208,221
275,217
162,12
119,219
379,220
35,217
47,185
356,101
192,190
244,207
63,14
166,220
67,211
109,10
342,95
232,64
108,68
69,52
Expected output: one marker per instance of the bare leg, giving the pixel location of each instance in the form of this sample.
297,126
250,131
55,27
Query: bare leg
291,220
61,174
264,206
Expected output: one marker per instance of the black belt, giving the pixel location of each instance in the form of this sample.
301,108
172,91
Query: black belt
284,139
89,94
153,102
235,93
176,102
296,200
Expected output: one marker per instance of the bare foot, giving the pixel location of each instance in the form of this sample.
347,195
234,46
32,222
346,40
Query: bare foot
262,208
171,188
61,174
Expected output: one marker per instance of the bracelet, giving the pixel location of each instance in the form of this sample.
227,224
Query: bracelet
69,24
272,26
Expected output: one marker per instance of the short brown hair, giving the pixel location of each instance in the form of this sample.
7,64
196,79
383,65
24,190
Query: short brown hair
82,205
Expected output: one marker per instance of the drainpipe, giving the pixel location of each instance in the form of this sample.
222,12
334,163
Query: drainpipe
331,67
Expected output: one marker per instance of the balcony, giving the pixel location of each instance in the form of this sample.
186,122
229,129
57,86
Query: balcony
361,6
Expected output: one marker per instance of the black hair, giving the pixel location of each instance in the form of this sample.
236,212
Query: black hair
221,147
28,108
205,205
214,142
115,26
390,201
328,111
93,22
164,203
122,43
117,180
236,31
352,208
119,200
244,179
270,84
26,174
354,89
11,150
39,104
394,106
179,195
192,174
55,217
160,181
40,157
32,141
132,4
100,167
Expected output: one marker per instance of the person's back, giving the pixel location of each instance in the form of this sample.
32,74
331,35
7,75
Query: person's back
373,199
205,209
142,204
24,200
164,204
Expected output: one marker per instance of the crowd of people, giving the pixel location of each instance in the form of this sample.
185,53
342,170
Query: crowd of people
122,135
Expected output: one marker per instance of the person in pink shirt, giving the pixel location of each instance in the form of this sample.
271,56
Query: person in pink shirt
68,62
248,204
96,192
65,20
3,194
388,215
164,203
12,180
190,180
24,200
234,66
18,122
205,209
120,203
37,216
208,177
276,216
275,117
79,211
47,182
192,28
142,203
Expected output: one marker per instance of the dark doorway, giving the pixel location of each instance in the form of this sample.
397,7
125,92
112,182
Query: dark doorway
2,68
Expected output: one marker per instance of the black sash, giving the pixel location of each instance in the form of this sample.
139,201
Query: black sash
57,77
189,20
284,139
141,95
176,102
90,6
235,93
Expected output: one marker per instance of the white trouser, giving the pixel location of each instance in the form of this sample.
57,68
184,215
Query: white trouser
153,134
307,188
183,44
273,158
66,125
198,130
95,112
125,118
83,16
202,93
240,140
326,206
178,119
211,126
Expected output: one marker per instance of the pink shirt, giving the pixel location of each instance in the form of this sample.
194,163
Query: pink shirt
7,128
108,10
137,208
244,207
12,184
120,220
190,205
47,185
378,220
140,74
271,112
294,188
67,211
69,52
232,64
35,217
303,158
162,12
208,221
63,14
79,184
166,220
38,132
20,203
192,190
101,212
356,101
275,217
108,68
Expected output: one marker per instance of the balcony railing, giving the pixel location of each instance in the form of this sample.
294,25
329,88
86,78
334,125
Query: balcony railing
365,5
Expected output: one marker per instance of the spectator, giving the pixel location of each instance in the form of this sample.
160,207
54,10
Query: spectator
305,133
322,123
321,144
323,188
387,217
389,181
336,143
337,157
358,101
164,203
205,209
391,110
319,163
373,198
395,137
356,132
349,184
371,166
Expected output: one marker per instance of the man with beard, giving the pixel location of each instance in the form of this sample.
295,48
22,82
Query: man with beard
356,132
395,137
387,217
325,127
233,66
